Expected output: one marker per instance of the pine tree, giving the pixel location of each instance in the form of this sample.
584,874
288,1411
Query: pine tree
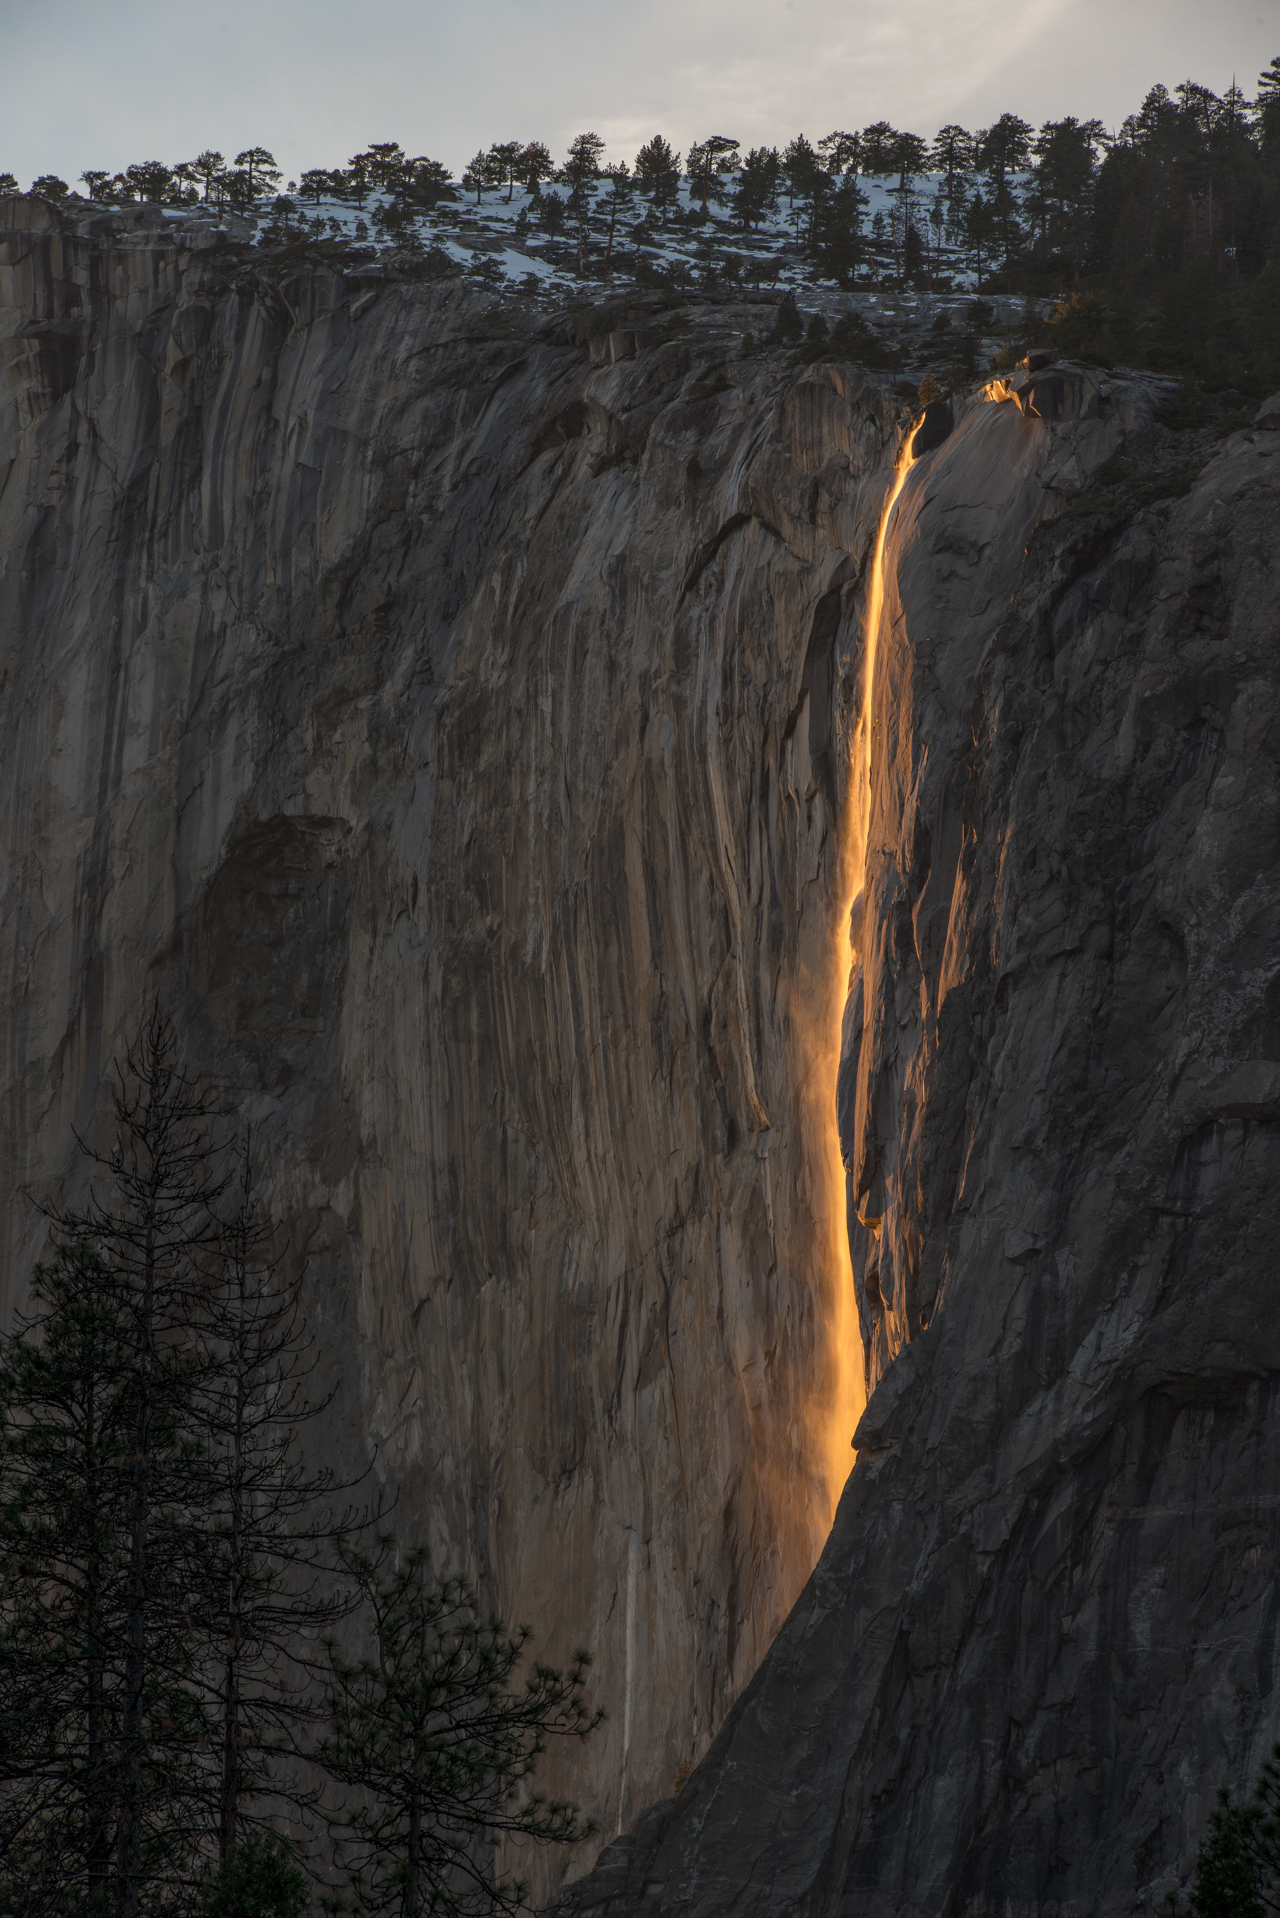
478,174
356,177
879,148
621,186
286,221
1237,1872
910,156
185,192
260,169
1061,193
904,237
259,1879
270,1586
757,190
841,152
707,160
156,1230
9,182
536,165
580,170
787,325
855,339
914,255
1235,108
149,179
436,1746
50,187
1229,1877
937,218
238,190
208,166
165,1555
431,179
953,152
506,160
799,169
583,162
68,1417
1003,148
1266,107
658,174
386,166
94,180
980,234
837,231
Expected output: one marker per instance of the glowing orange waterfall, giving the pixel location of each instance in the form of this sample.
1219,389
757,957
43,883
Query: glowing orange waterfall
844,1398
859,809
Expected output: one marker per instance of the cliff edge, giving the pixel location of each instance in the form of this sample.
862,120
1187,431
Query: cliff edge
439,707
457,717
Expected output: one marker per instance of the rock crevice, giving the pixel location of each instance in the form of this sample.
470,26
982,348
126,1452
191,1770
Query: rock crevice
412,705
452,719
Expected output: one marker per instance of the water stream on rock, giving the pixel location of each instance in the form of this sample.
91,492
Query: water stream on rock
848,1397
860,811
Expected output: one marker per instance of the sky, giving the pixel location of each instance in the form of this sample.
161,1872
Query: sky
100,83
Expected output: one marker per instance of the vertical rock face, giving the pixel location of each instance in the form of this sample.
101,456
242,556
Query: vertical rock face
461,730
451,733
1044,1628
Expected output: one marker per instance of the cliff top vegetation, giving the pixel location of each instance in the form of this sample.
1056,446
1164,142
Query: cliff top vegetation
1155,244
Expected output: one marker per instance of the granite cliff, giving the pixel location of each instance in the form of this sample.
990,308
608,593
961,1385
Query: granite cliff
460,719
1044,1628
442,715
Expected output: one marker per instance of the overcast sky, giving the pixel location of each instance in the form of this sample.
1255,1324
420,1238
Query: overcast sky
98,83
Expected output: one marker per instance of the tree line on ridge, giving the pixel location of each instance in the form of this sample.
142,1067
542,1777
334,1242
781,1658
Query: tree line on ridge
1159,239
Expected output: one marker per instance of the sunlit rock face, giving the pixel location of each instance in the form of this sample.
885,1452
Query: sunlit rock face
446,721
458,725
1044,1628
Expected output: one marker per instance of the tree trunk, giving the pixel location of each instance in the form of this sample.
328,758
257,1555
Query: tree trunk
412,1903
98,1851
230,1802
129,1886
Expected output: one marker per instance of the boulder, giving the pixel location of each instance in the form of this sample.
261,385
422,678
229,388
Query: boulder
935,426
28,213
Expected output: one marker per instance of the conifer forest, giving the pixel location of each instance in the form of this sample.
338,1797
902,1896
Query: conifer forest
1153,243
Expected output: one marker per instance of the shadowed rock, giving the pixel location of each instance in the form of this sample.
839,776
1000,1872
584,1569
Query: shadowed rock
449,731
457,734
1043,1630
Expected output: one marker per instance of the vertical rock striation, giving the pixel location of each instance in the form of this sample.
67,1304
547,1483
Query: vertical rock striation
455,722
446,721
1044,1629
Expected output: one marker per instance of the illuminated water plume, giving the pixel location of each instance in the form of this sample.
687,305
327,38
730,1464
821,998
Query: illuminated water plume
845,1396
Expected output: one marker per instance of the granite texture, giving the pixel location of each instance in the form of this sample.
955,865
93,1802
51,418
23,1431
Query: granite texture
1044,1629
457,717
440,712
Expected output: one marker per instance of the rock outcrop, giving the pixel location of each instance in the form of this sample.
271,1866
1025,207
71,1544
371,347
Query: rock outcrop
456,720
448,729
1044,1629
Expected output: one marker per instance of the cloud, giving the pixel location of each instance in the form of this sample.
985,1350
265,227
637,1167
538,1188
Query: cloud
317,79
815,65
